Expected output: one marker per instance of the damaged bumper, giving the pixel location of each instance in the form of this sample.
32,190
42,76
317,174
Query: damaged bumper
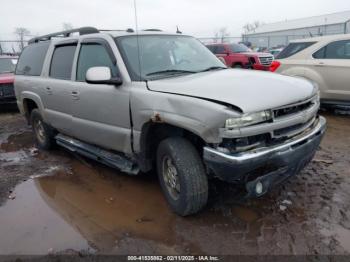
261,169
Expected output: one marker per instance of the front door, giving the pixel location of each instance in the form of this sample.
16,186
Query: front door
100,112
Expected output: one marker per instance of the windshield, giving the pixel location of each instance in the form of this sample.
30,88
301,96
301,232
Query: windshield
165,56
7,65
239,48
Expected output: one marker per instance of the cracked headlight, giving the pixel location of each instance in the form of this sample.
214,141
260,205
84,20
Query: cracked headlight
248,119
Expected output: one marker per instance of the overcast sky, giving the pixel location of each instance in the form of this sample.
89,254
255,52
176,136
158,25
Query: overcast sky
197,17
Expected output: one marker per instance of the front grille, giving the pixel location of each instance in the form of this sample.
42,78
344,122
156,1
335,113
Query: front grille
7,90
293,109
266,60
293,130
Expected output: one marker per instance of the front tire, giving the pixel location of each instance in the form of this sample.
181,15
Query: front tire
182,176
44,135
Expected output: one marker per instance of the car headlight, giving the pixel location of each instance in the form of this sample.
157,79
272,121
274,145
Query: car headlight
249,119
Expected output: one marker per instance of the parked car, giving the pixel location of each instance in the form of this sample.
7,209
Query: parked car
275,51
7,68
240,56
143,100
324,60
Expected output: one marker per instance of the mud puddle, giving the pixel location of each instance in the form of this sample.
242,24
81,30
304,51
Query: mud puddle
82,210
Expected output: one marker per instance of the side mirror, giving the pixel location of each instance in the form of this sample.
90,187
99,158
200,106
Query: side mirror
102,75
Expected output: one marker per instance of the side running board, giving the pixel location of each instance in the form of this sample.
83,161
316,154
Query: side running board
110,159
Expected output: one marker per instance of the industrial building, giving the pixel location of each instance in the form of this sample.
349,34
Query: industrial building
280,33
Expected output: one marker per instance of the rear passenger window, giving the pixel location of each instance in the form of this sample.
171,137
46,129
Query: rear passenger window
92,55
220,50
293,49
32,59
211,48
62,62
338,50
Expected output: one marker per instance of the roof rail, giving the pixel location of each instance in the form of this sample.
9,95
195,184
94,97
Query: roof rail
152,30
81,31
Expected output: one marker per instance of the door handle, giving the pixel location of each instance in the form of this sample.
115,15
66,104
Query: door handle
75,95
48,90
320,64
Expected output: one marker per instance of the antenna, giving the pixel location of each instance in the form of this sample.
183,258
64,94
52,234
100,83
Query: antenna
177,30
137,39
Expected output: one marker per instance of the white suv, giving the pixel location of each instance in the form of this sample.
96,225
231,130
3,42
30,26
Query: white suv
324,60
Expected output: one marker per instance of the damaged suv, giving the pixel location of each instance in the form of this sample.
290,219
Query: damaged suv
142,100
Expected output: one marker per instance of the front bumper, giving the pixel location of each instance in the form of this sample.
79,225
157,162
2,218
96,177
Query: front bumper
7,94
8,100
261,67
269,166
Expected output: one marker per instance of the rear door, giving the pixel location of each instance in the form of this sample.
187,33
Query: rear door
220,51
333,64
101,113
57,91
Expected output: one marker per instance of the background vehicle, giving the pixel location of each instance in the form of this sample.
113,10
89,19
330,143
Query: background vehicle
240,56
275,51
174,107
7,68
324,60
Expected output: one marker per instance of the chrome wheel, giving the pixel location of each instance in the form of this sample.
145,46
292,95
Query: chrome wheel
171,178
39,130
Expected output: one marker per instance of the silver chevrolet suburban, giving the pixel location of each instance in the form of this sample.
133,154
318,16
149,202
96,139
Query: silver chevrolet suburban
142,100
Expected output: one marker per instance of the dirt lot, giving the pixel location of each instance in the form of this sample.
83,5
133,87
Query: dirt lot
57,202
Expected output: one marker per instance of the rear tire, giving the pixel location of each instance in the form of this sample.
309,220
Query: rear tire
237,66
182,176
44,135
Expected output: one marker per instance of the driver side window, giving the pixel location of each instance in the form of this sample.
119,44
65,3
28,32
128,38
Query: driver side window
92,55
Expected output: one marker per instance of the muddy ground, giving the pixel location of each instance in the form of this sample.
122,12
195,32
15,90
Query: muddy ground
57,202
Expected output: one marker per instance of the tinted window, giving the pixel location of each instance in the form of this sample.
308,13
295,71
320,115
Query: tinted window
92,55
7,65
320,53
62,62
219,50
338,50
32,59
239,48
293,49
211,48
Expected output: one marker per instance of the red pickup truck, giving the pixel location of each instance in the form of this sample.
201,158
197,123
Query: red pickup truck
7,68
240,56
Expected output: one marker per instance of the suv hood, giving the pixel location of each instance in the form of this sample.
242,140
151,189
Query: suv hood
251,91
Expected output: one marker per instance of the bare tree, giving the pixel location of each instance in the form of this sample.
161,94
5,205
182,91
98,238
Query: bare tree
251,27
67,26
221,34
21,33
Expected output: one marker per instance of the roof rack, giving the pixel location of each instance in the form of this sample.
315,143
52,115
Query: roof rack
152,30
81,31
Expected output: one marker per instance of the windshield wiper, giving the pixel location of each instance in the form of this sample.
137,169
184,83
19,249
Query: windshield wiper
212,68
171,71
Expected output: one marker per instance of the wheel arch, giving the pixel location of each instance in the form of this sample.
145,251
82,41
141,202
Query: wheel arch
152,133
30,101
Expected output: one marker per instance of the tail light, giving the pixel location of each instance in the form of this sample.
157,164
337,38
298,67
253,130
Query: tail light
274,65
